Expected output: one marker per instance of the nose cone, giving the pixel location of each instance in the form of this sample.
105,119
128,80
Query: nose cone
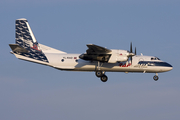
171,68
168,67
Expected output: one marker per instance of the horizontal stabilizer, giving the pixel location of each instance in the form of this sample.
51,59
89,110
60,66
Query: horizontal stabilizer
17,48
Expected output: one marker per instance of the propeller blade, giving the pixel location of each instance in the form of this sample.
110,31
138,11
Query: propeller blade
131,48
131,54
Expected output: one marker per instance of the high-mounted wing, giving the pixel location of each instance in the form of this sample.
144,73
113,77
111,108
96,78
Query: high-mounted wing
96,53
95,49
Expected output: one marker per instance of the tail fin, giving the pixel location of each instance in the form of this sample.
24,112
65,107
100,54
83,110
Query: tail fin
26,44
24,35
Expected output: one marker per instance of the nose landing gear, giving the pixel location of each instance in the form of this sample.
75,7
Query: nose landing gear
156,77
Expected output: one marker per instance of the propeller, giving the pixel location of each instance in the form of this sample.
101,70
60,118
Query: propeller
131,54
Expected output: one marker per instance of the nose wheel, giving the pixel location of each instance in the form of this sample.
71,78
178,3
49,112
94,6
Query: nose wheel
156,77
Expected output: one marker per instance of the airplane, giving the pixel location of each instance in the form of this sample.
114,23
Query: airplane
96,58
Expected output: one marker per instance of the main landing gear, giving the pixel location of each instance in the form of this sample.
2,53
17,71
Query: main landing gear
156,77
102,75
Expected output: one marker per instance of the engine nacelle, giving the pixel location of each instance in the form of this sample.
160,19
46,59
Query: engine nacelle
118,56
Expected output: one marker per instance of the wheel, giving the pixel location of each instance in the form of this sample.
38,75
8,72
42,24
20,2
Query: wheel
99,73
104,78
155,77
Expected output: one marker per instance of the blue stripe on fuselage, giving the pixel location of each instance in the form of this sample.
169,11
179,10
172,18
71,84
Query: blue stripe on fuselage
153,63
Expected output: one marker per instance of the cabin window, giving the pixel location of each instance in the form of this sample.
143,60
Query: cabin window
62,60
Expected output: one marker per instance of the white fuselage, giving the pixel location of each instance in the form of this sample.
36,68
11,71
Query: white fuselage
74,63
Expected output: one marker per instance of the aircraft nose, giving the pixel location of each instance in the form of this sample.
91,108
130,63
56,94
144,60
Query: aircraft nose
170,67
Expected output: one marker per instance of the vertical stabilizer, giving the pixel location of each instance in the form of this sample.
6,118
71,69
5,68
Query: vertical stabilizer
24,35
26,43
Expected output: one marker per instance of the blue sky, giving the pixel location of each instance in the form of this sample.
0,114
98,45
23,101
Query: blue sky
32,91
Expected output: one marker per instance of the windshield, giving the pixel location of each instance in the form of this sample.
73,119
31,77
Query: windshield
155,58
149,63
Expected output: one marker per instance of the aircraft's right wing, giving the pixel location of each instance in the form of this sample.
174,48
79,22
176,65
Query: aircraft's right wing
101,54
96,53
95,49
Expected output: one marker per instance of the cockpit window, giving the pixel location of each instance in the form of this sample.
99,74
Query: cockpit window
153,63
155,58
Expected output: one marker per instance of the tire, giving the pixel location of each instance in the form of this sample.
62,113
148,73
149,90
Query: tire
155,77
104,78
99,73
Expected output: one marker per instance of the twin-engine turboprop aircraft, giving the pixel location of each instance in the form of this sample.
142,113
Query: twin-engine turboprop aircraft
96,58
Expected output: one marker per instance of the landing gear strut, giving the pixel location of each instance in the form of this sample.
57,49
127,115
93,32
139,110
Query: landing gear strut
101,74
156,77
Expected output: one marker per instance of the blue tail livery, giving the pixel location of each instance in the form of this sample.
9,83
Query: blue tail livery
26,44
